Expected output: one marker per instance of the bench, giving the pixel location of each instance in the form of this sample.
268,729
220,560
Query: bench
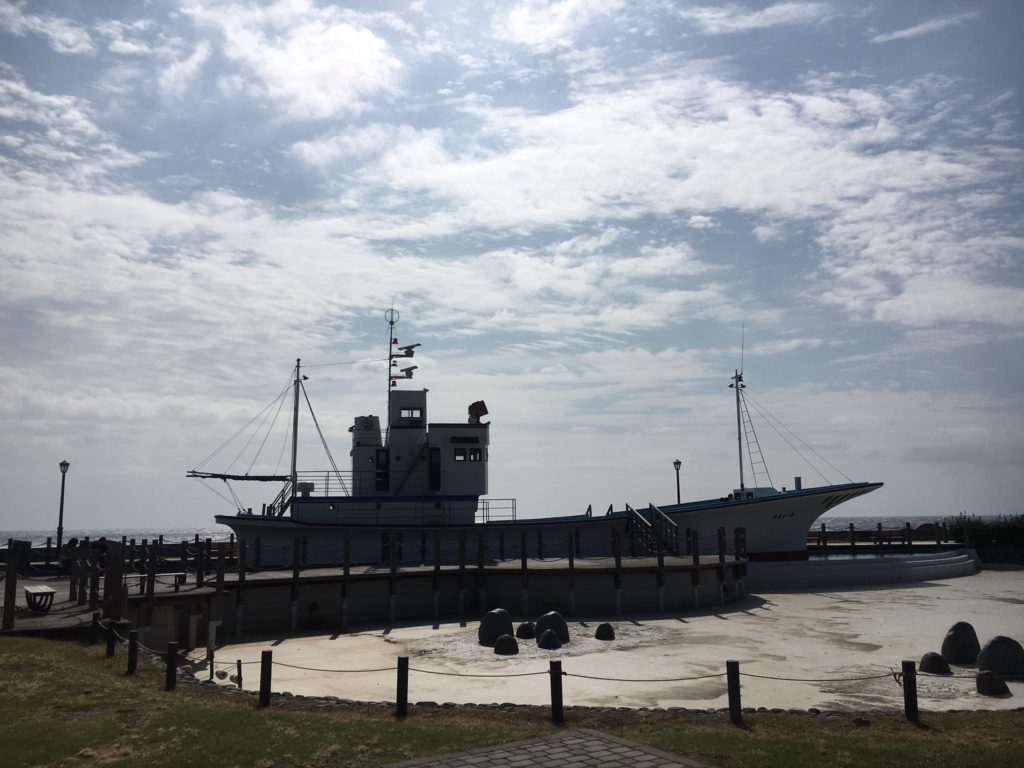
179,579
39,598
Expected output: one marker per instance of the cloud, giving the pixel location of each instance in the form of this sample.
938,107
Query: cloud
928,300
63,35
316,62
729,19
545,25
177,76
927,27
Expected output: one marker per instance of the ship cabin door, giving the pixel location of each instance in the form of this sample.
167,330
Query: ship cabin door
383,470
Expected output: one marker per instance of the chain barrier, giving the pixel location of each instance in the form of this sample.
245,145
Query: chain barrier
470,674
339,671
820,679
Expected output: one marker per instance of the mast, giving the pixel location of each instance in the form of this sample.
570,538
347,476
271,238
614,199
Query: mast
737,379
295,427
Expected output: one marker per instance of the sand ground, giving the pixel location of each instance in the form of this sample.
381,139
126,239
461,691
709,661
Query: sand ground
829,635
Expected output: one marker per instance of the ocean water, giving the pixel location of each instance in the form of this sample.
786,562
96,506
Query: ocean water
221,532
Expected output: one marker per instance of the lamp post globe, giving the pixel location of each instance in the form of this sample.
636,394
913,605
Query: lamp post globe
64,465
678,465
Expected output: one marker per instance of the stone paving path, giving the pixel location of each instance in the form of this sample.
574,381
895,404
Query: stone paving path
571,748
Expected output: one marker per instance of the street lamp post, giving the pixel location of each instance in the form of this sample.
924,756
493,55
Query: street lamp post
678,465
60,520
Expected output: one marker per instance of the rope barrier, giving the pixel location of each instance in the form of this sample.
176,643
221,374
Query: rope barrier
339,671
646,680
819,679
470,674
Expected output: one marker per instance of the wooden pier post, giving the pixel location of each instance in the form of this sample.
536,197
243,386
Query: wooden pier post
243,567
294,590
823,537
720,570
437,579
853,536
617,554
524,576
221,559
660,575
10,586
572,574
49,545
481,575
695,571
392,576
200,565
462,578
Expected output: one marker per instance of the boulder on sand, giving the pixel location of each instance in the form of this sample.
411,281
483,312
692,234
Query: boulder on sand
1004,656
961,644
493,625
526,631
553,620
506,645
605,632
991,684
934,664
548,640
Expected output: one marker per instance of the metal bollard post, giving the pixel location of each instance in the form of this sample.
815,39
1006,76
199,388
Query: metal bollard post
266,665
732,675
94,628
133,651
402,699
171,676
555,671
910,691
238,673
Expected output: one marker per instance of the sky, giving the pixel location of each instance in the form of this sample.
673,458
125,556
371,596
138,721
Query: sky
588,212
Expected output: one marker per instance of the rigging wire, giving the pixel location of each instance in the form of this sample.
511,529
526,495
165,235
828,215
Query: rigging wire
349,362
214,490
768,417
280,405
322,440
254,432
241,429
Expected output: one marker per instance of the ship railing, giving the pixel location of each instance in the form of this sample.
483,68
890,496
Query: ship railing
640,530
665,528
496,510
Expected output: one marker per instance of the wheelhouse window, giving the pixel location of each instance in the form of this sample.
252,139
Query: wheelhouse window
460,454
474,454
411,413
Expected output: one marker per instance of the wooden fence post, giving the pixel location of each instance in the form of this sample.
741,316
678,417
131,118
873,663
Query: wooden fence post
171,673
266,666
732,676
402,697
910,691
555,672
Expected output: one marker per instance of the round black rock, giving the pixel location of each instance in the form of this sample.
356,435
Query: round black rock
493,625
934,664
553,620
961,645
526,631
605,632
548,640
1004,656
506,645
991,684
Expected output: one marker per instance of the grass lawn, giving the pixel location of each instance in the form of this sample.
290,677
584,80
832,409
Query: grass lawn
63,704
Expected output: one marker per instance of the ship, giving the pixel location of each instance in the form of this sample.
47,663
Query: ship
416,493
